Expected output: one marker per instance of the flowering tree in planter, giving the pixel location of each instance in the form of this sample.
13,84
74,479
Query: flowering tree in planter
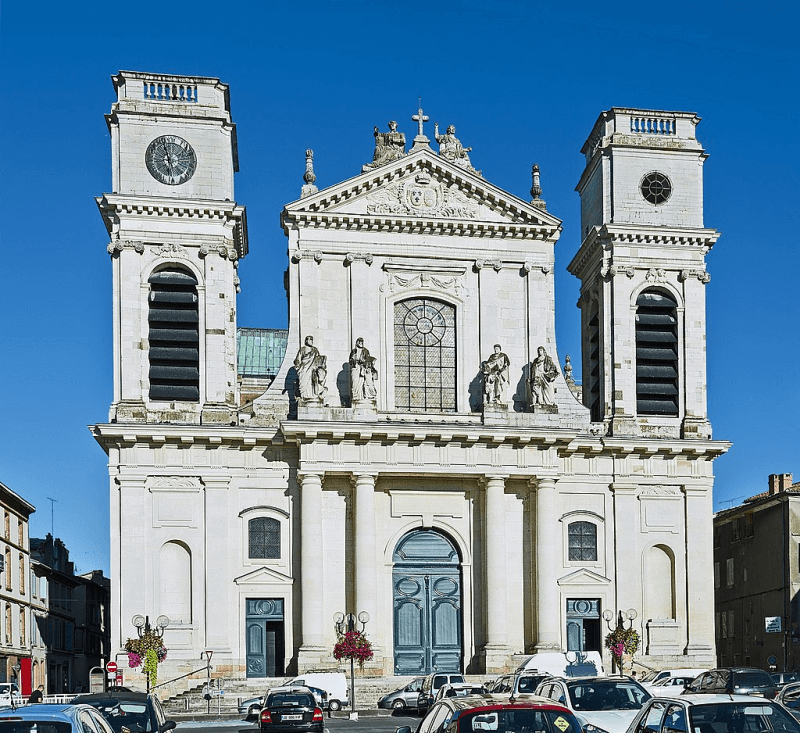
148,651
622,641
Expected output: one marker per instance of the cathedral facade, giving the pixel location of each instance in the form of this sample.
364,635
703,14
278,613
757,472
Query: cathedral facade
423,459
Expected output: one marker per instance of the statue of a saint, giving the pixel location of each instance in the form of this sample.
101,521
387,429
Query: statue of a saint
312,371
450,147
542,377
389,146
495,377
363,373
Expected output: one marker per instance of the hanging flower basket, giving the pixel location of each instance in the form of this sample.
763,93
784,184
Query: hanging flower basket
353,645
147,651
622,641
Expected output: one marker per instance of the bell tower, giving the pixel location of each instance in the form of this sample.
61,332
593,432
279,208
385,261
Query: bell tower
176,238
643,272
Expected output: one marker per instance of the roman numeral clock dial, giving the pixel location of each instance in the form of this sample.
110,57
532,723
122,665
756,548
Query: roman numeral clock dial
171,160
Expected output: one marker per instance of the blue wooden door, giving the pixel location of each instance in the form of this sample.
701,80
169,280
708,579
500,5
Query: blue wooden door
427,604
264,637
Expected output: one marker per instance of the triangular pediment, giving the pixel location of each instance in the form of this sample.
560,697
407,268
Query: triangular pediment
421,186
263,575
583,577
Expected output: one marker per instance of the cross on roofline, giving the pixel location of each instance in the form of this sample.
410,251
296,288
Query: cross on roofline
420,119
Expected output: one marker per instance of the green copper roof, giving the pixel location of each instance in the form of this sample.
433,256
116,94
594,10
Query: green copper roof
260,351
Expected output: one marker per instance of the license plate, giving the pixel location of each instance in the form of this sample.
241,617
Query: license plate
291,717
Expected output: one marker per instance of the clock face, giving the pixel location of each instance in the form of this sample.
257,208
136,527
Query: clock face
171,160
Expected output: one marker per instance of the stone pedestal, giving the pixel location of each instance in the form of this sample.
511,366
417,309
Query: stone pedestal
663,636
313,409
544,409
366,410
495,413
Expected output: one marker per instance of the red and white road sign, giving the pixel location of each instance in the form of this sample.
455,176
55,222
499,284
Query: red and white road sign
111,667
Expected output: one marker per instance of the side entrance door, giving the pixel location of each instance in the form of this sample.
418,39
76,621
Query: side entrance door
583,625
427,604
264,634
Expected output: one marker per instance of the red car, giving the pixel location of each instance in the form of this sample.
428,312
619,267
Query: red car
496,714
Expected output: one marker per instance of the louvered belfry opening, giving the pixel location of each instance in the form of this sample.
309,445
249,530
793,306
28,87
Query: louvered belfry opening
594,367
656,354
174,336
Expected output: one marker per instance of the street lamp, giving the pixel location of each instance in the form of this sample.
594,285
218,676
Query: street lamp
143,628
345,624
622,617
207,656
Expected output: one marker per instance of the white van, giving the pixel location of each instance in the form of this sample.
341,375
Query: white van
334,683
7,689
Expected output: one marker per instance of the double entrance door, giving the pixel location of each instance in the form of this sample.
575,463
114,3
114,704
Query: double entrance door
583,625
427,604
264,634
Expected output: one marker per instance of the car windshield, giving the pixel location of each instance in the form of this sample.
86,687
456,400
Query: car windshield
515,720
529,684
34,726
282,701
753,679
755,716
132,715
606,695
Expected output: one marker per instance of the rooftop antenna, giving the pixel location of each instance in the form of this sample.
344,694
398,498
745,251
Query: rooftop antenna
53,502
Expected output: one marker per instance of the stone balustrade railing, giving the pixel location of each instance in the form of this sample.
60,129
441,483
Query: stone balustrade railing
653,125
163,92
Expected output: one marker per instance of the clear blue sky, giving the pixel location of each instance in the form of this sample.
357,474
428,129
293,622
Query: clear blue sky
522,81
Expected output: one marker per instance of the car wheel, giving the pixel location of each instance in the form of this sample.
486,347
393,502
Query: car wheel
398,705
334,705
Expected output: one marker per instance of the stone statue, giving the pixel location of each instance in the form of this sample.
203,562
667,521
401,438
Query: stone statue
363,373
450,147
568,371
495,377
389,146
543,374
312,371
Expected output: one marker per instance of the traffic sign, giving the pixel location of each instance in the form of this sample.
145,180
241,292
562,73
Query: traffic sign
772,661
111,667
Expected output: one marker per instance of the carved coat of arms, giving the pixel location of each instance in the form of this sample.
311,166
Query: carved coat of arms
422,196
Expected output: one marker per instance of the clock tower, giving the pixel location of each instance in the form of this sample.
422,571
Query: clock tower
176,237
643,274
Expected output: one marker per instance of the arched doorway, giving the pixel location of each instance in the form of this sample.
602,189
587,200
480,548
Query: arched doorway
427,604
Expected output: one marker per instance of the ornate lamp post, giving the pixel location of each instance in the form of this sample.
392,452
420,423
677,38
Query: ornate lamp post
143,628
622,617
345,624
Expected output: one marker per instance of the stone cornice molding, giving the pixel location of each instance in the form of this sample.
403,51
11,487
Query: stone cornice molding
234,217
702,275
174,483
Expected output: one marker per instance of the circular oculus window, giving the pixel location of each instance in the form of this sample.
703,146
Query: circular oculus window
656,187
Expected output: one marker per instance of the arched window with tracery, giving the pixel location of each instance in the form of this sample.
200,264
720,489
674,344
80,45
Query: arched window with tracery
424,355
264,535
582,538
174,336
656,354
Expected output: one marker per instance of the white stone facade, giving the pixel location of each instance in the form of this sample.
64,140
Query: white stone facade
348,484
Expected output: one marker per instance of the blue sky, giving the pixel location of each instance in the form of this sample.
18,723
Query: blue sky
523,82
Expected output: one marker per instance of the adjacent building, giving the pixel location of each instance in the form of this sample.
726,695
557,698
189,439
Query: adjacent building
757,579
418,455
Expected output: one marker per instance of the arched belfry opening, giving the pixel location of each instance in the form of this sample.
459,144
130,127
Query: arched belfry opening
426,582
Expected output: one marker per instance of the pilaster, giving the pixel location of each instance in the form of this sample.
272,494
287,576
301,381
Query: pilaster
548,616
700,570
312,623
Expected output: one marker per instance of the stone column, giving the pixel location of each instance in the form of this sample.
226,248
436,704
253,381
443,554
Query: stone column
548,560
496,651
700,571
313,625
366,569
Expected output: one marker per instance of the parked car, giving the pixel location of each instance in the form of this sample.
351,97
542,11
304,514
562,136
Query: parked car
333,683
526,682
789,697
781,679
431,685
252,706
653,677
498,714
712,714
601,704
734,681
667,686
402,697
139,712
291,711
460,689
49,718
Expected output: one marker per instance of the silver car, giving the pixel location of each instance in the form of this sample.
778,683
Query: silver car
52,718
402,697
